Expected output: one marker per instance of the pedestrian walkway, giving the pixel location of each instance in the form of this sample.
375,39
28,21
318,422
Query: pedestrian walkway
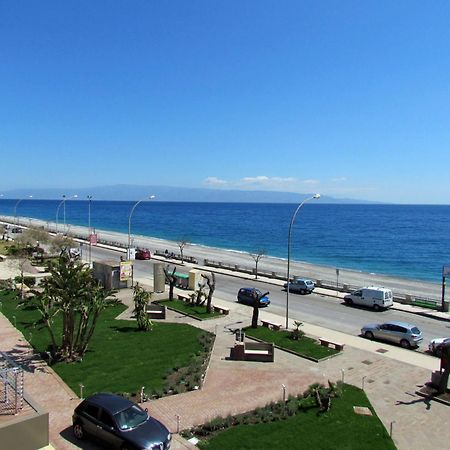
390,377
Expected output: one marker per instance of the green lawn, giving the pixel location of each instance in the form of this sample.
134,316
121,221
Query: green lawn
304,346
198,312
119,358
339,429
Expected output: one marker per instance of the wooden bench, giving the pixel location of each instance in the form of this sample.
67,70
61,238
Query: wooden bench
272,325
222,310
327,343
155,311
252,351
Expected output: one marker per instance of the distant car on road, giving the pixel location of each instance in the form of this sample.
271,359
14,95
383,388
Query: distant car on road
405,334
119,424
247,295
301,285
435,345
16,230
143,253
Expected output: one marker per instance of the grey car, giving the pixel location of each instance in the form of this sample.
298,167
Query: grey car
301,285
405,334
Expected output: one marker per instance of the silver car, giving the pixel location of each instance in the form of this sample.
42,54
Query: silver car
405,334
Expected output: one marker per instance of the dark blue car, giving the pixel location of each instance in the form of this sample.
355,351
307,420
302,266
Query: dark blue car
247,295
119,424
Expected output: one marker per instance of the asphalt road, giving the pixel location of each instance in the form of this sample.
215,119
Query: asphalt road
316,309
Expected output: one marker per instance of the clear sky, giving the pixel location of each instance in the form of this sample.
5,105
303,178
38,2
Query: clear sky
346,98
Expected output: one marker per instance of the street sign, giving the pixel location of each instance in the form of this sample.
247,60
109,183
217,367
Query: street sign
93,239
446,271
126,270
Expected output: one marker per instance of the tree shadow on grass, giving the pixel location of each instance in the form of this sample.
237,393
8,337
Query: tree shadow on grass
126,329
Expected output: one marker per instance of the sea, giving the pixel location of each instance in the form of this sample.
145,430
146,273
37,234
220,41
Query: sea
409,241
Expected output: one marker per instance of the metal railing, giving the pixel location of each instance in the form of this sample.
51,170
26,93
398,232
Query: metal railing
11,386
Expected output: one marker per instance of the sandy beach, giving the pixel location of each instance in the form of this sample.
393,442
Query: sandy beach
298,268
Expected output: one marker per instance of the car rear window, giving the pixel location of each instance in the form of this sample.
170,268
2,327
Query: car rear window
415,330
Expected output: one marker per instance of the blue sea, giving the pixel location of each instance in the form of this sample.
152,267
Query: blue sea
411,241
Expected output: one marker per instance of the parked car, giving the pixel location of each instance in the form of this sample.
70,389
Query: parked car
143,253
435,345
372,296
402,333
247,295
16,230
301,285
119,424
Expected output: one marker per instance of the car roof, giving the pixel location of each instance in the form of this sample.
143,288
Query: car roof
401,324
111,402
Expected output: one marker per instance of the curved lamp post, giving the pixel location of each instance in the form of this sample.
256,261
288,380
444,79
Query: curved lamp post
89,197
57,211
63,203
151,197
15,207
316,196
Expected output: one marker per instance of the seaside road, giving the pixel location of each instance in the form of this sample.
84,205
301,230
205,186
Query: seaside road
316,309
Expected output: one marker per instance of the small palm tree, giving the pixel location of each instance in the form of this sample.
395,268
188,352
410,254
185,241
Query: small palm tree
141,299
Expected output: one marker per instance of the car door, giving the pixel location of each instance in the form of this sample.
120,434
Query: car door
398,333
108,431
384,332
90,419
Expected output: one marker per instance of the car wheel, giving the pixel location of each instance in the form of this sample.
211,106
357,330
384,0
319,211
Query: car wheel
302,292
376,307
368,335
349,302
78,430
405,344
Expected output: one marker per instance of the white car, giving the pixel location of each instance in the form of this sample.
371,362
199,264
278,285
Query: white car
435,345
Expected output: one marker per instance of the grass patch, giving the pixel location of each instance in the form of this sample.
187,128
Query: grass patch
4,245
199,312
119,358
304,346
338,429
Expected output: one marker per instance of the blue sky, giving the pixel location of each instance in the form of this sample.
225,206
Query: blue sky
345,98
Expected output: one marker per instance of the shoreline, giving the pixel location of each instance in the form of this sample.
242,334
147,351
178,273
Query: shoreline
267,263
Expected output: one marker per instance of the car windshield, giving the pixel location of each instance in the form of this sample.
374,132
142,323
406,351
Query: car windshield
130,418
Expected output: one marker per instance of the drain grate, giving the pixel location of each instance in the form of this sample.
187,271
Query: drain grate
366,361
382,350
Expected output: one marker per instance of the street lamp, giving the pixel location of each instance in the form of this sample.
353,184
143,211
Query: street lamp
151,197
89,197
15,208
64,210
63,203
57,211
316,196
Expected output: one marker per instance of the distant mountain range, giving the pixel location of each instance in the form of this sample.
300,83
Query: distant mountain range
171,194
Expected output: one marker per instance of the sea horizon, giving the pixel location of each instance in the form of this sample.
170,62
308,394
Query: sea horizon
408,241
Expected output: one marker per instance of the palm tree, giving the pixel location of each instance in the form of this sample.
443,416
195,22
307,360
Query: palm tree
141,298
71,292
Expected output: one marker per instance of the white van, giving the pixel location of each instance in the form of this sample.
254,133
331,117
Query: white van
371,296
